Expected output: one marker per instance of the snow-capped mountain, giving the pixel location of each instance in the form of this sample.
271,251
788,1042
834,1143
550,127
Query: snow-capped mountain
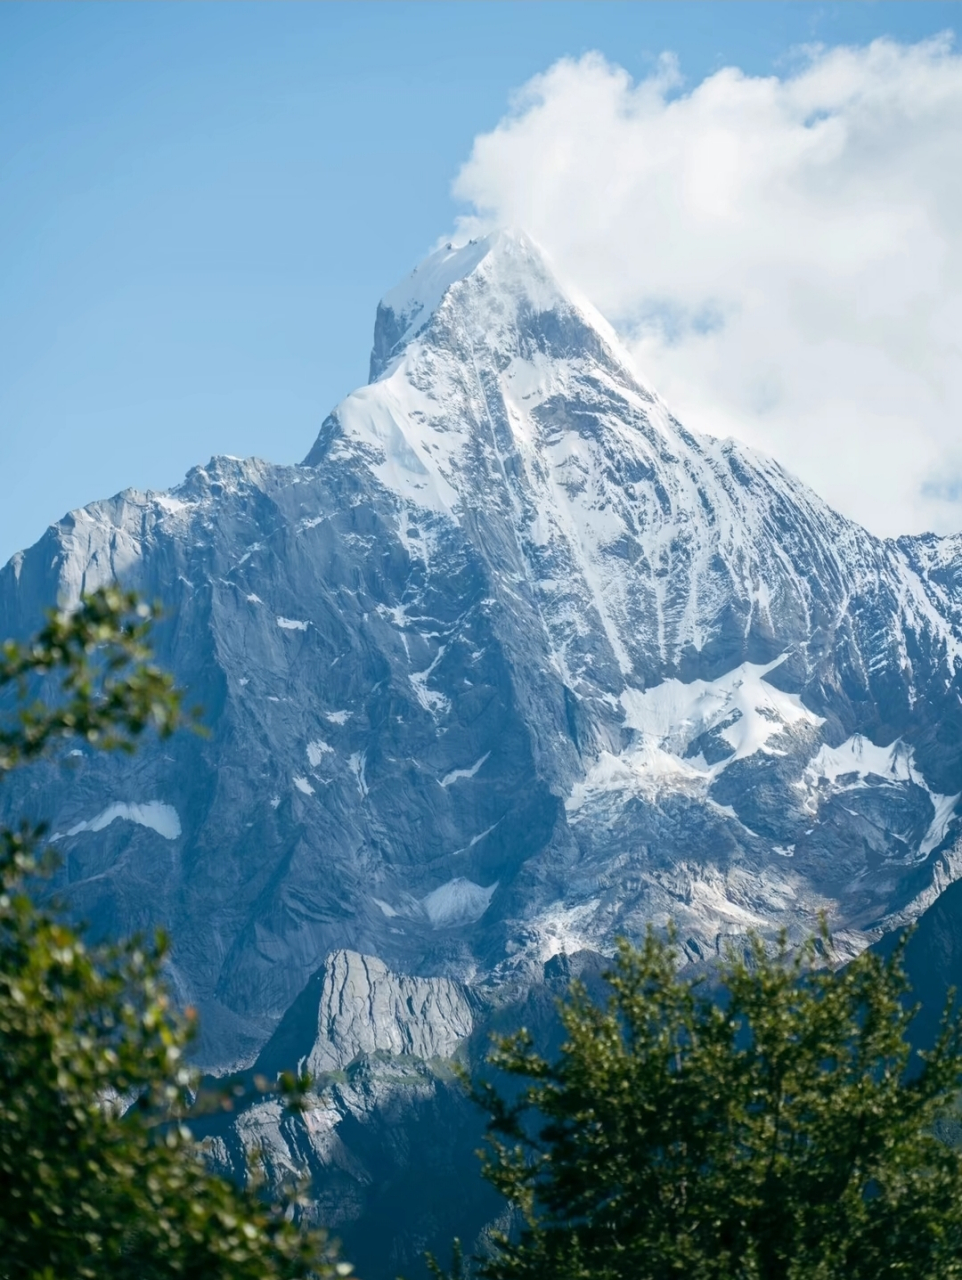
510,664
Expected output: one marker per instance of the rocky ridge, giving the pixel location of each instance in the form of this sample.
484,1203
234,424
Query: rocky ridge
386,1137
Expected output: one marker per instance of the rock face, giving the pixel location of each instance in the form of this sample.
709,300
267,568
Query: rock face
389,1150
510,664
354,1005
387,1136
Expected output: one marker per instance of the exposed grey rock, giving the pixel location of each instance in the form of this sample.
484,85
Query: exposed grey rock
387,1141
389,1151
354,1005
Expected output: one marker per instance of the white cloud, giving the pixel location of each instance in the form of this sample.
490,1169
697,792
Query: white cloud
783,254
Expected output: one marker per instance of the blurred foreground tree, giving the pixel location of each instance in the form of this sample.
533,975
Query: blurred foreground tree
769,1130
98,1175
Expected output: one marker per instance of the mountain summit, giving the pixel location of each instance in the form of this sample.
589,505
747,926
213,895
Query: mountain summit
510,664
499,281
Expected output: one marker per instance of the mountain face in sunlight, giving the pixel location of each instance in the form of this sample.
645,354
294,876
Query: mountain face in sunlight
512,663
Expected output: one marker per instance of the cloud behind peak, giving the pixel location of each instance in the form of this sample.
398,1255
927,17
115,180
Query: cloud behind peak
782,253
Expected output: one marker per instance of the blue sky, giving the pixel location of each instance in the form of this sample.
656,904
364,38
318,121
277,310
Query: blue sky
201,204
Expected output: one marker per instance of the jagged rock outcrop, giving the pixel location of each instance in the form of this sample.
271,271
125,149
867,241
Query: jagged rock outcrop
387,1139
354,1005
387,1136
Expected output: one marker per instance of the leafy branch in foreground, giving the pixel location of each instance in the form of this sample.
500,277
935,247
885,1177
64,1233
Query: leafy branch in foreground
99,1177
774,1128
111,691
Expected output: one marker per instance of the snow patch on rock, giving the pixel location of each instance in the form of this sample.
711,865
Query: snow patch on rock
849,765
457,774
742,705
741,709
430,699
857,755
316,751
356,763
170,504
460,901
156,815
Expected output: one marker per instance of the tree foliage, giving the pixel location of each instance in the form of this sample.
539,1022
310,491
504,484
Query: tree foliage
99,1177
774,1127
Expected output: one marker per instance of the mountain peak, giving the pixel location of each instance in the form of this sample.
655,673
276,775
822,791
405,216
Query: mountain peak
506,265
470,350
512,665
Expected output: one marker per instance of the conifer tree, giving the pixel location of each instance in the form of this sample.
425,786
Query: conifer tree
775,1127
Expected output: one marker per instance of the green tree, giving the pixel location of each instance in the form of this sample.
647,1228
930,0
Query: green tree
99,1177
773,1127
